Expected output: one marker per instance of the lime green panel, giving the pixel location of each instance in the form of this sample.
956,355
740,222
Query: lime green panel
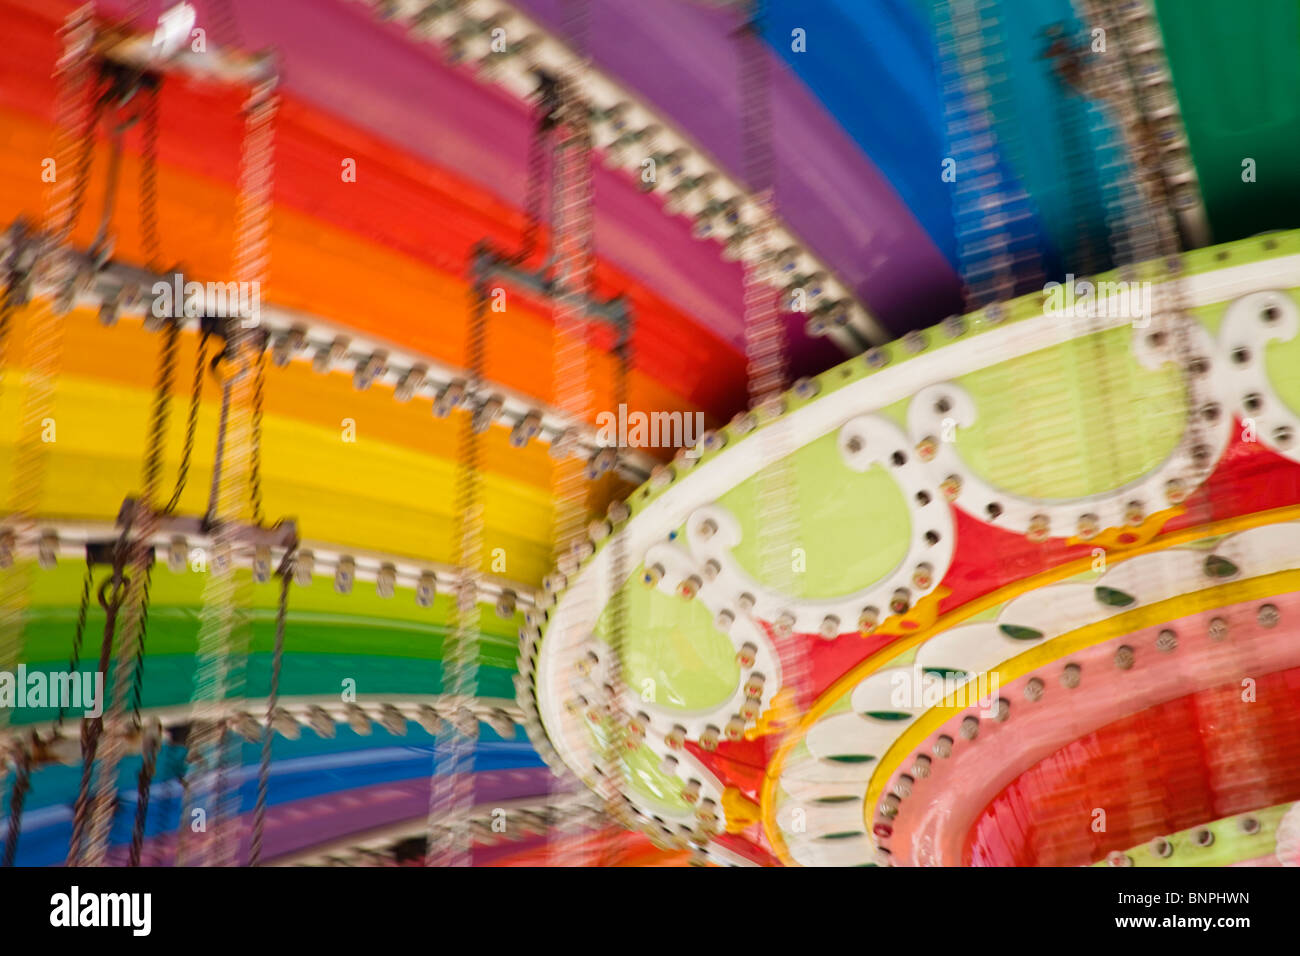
1282,363
49,636
1072,420
1236,69
61,587
854,527
643,776
671,643
1231,843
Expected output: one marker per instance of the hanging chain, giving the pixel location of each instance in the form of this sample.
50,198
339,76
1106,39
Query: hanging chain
191,422
451,791
76,116
776,484
111,595
150,744
223,631
572,262
612,768
78,638
996,249
272,704
1147,228
137,543
539,151
572,249
22,759
135,546
75,119
137,680
256,181
255,466
149,176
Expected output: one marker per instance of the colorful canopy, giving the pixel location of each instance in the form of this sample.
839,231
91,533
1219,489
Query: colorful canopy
1054,421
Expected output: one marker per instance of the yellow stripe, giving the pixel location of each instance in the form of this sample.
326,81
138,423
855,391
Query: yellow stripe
365,494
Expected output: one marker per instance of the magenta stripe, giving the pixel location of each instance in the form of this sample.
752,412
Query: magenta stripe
302,824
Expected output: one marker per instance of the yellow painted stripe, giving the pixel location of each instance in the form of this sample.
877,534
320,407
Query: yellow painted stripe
368,494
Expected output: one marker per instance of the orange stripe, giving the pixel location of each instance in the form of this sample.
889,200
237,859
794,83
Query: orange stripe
323,270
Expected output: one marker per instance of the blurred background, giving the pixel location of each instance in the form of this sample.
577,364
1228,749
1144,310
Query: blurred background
318,542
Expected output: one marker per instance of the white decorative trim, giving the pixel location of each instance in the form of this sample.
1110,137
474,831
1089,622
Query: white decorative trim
1246,331
864,442
1105,510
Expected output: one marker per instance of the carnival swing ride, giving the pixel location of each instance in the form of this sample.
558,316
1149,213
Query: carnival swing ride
304,462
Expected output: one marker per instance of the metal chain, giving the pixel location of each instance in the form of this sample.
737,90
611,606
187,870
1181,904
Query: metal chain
133,610
112,593
256,181
222,629
150,744
612,769
161,413
17,798
1150,230
451,791
191,423
776,486
137,682
572,245
995,247
10,295
255,454
272,703
539,150
77,111
149,178
75,121
137,537
78,638
1147,228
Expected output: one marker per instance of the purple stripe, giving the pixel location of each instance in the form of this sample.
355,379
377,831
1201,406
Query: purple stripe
682,58
302,824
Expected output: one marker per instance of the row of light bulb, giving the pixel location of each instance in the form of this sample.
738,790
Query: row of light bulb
179,553
628,135
486,407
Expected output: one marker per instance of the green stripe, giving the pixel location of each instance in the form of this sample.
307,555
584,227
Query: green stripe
1236,70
